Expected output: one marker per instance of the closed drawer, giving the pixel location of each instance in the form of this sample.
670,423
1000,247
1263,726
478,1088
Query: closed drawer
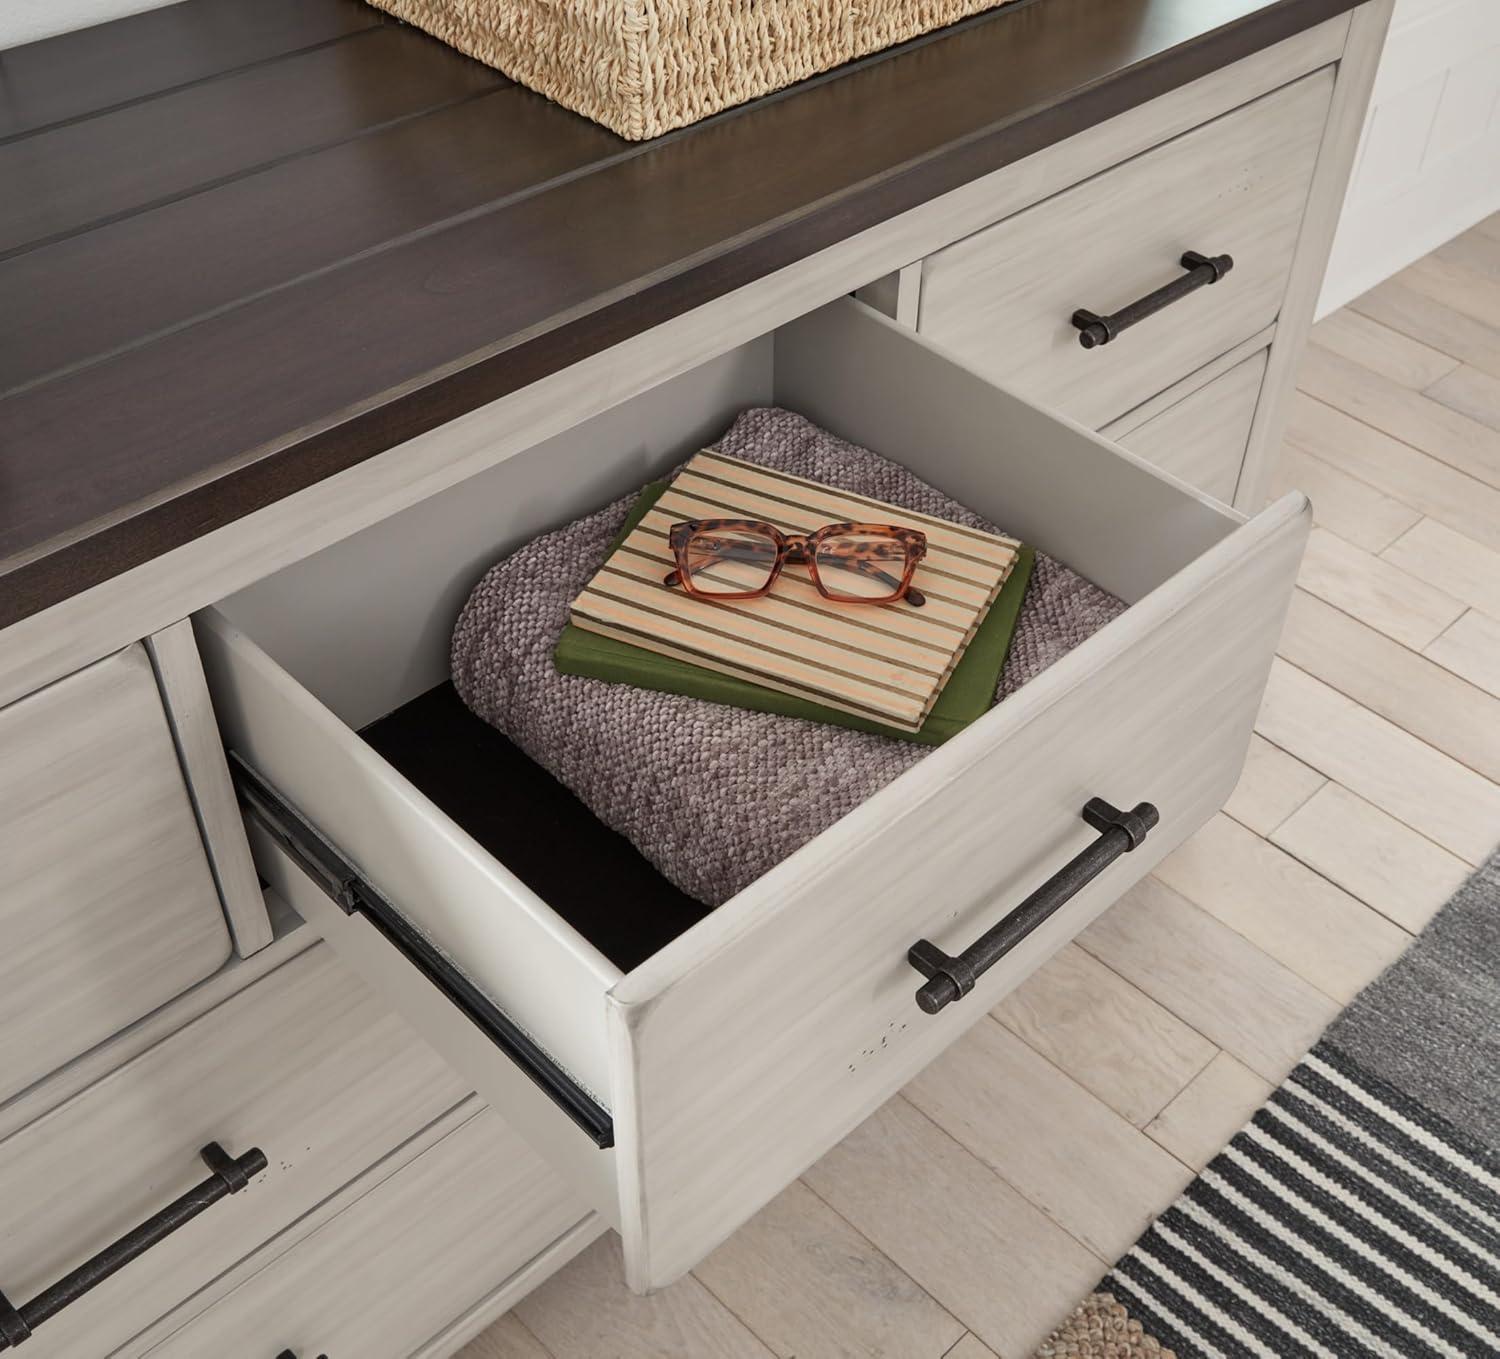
1004,298
1203,437
396,1267
107,903
304,1064
682,1094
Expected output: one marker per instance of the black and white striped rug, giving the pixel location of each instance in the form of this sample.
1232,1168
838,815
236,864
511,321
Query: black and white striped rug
1358,1213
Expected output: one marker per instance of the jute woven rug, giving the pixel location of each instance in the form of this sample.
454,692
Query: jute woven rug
1358,1213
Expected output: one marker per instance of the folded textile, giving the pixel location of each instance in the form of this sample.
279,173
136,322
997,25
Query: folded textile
714,796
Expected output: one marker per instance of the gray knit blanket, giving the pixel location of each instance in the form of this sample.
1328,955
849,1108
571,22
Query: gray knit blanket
714,796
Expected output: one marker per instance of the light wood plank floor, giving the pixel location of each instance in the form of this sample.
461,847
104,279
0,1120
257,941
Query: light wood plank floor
970,1213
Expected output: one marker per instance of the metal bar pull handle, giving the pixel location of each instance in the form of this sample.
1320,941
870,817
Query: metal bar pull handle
951,978
1094,330
229,1175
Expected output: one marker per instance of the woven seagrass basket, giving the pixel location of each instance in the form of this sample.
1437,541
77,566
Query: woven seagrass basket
643,67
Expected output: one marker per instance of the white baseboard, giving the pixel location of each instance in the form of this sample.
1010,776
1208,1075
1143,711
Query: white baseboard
1429,161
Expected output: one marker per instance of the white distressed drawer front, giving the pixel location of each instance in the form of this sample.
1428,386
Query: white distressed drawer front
107,903
733,1057
1004,298
391,1271
1203,437
305,1064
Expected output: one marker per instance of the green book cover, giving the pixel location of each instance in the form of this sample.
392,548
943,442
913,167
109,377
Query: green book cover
968,694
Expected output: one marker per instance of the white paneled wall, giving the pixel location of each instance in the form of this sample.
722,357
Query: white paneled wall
28,20
1429,164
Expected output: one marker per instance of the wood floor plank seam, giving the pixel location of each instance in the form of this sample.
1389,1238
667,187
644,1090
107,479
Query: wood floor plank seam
1479,695
1182,1019
989,1169
1407,443
872,1247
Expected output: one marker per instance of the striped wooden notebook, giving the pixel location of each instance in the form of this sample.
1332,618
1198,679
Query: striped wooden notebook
883,661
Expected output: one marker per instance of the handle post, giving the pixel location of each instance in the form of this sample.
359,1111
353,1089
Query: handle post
950,977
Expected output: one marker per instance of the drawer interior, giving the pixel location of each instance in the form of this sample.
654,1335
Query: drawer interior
365,625
650,1050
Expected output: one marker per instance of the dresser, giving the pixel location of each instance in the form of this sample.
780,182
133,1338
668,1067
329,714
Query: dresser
313,320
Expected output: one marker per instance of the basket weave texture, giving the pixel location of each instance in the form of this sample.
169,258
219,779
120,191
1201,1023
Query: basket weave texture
644,67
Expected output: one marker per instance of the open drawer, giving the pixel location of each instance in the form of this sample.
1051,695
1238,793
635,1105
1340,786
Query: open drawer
680,1095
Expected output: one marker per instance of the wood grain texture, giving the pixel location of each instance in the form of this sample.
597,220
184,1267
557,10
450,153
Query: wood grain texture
66,179
1289,912
502,1299
1272,786
584,1312
392,1269
1095,1175
915,1220
1343,504
1460,284
1004,298
77,300
309,1222
1470,392
1196,1125
1202,439
970,1347
1212,977
283,391
1371,589
92,69
1179,391
1404,308
806,1282
507,1338
1111,1038
179,673
1416,693
306,1065
1357,68
1432,792
1396,357
1447,434
62,1085
1382,861
1451,562
107,901
1419,481
1471,649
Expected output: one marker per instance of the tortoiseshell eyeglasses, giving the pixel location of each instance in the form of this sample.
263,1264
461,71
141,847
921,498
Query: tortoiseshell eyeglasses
723,559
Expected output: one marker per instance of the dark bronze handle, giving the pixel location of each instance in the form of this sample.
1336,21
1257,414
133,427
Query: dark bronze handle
287,1354
952,978
230,1175
1094,330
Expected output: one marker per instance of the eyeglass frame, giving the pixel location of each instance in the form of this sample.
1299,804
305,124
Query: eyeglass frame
799,549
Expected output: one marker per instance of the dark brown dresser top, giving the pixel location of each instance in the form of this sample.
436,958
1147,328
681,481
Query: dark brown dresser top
247,243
